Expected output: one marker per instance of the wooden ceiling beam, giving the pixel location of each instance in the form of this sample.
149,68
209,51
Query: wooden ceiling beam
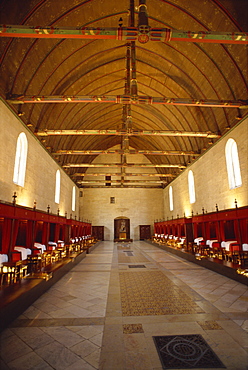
122,151
126,99
120,181
130,132
123,34
127,165
126,174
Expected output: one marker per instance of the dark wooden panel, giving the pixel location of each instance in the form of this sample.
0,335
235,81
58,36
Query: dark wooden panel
98,232
145,232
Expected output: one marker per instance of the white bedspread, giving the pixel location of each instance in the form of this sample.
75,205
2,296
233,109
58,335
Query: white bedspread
245,247
210,242
40,246
25,252
53,244
198,240
3,258
226,245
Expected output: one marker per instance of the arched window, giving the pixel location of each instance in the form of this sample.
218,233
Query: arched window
20,159
232,164
191,184
57,187
171,198
73,200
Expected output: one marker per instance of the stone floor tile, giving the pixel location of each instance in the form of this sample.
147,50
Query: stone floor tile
12,348
97,339
112,360
134,342
60,313
88,332
137,360
3,365
94,358
34,313
30,361
57,356
63,335
81,365
33,337
84,348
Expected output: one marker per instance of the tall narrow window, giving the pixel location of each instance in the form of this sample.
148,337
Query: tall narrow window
20,159
232,164
57,187
191,184
171,198
73,201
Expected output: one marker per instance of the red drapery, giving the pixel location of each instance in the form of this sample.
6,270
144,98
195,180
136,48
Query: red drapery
6,235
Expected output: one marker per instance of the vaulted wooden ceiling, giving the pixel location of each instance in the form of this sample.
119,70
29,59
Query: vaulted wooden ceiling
168,99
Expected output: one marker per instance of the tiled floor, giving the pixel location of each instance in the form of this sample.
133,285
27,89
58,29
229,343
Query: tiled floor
104,314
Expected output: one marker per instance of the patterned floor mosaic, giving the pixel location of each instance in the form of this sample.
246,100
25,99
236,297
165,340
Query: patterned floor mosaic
146,293
132,328
209,325
130,256
136,266
186,352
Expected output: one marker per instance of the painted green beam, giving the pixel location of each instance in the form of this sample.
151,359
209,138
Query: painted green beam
123,34
126,99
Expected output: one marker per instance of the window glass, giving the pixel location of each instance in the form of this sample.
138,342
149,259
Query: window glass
73,203
232,164
57,187
171,198
20,159
191,184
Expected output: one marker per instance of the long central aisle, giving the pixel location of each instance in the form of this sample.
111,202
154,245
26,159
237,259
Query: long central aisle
132,306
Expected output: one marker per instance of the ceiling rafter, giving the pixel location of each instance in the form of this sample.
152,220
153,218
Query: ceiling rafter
127,165
123,34
149,174
125,151
129,132
127,99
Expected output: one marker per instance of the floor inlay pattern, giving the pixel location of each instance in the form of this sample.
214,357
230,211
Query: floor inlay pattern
146,293
129,254
132,328
131,257
186,352
77,321
136,266
209,325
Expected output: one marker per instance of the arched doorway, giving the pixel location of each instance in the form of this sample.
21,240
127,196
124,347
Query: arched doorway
122,229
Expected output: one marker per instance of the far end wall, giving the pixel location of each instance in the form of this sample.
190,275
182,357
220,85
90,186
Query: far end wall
141,206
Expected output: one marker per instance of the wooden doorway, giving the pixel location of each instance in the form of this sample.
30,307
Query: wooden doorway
145,232
122,229
98,232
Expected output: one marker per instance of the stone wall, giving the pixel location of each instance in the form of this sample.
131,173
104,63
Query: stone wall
40,171
211,181
141,206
